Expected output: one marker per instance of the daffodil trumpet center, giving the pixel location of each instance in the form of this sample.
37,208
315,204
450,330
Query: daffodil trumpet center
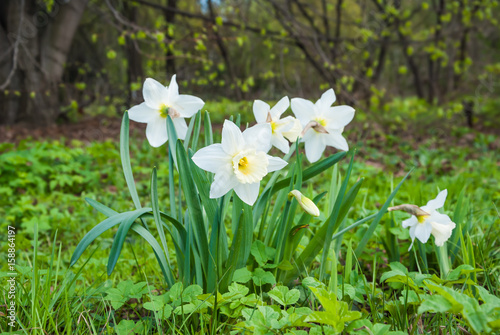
421,218
273,124
167,110
318,126
250,166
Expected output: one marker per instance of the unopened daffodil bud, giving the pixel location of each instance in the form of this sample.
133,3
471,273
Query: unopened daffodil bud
307,204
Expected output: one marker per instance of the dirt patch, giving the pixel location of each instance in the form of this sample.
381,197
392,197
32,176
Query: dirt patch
93,129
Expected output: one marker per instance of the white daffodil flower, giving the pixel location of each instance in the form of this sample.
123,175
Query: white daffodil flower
294,132
307,204
429,222
240,161
322,124
281,128
160,101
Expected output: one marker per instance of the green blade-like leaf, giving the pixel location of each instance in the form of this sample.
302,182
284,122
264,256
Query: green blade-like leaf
101,208
203,186
295,233
157,216
193,203
172,139
189,132
307,174
209,137
380,214
196,134
334,221
101,228
121,234
125,158
242,241
160,256
214,260
317,242
313,170
458,218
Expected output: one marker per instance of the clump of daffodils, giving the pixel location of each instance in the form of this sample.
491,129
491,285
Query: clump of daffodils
241,161
427,221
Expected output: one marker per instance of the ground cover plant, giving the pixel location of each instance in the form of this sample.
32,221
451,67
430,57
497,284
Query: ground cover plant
273,277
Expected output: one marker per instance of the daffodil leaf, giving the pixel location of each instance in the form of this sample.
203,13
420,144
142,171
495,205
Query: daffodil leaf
160,256
193,203
125,158
380,214
101,228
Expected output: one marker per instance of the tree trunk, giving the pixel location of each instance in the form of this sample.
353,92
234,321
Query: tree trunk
170,19
135,71
35,45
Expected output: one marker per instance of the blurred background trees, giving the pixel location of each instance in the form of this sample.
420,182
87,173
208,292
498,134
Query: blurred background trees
91,57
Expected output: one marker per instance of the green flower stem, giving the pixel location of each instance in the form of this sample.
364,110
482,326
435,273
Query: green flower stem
444,263
354,225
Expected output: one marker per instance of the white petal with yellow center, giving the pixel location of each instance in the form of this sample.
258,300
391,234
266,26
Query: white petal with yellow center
250,166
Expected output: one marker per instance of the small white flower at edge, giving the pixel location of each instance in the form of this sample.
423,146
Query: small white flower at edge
427,221
160,101
240,161
307,204
281,128
322,123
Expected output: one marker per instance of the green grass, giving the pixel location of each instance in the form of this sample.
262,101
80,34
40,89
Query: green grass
43,186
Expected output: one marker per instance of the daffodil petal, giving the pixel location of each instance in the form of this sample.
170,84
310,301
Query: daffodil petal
314,145
154,93
293,133
422,231
278,141
280,107
275,163
180,127
211,158
223,182
304,110
326,100
232,139
173,89
260,111
438,202
247,192
187,105
410,222
258,137
339,116
336,140
156,132
142,113
284,124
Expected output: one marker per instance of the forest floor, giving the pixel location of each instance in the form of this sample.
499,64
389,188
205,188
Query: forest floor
380,135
